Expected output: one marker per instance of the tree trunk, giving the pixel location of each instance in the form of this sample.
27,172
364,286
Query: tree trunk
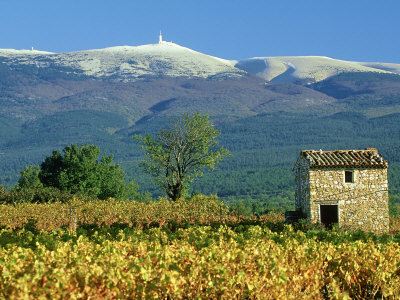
176,191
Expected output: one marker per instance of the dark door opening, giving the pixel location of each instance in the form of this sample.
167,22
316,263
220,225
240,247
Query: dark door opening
329,215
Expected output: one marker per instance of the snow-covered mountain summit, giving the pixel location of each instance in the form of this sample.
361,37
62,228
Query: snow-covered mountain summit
132,63
13,52
129,63
307,68
166,59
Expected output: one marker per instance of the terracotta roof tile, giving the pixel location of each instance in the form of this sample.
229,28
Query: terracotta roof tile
368,158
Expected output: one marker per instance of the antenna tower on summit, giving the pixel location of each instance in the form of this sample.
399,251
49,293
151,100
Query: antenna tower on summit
160,38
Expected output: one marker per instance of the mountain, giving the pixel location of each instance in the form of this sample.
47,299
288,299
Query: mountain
132,63
308,69
395,68
127,63
268,109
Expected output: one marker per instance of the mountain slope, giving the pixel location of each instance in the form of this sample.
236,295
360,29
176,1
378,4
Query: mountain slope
305,69
128,63
395,68
132,63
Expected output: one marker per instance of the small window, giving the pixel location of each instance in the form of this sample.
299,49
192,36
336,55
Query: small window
348,176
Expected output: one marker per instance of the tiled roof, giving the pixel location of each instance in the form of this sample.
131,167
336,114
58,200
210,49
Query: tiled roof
368,158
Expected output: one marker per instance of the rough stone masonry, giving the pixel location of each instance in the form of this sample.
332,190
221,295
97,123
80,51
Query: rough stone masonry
348,187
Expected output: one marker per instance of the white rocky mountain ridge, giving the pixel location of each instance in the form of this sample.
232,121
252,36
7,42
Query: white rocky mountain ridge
131,63
312,68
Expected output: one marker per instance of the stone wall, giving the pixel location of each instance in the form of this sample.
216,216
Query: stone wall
302,191
362,204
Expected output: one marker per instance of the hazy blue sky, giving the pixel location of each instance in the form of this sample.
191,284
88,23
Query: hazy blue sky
362,30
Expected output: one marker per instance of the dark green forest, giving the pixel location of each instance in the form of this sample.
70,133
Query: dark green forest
262,132
264,149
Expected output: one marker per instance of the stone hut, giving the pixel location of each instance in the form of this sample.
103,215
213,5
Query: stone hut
348,187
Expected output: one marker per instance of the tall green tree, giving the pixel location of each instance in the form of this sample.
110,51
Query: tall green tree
80,170
29,178
180,154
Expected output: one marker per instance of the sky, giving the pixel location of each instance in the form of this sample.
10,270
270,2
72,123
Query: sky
357,30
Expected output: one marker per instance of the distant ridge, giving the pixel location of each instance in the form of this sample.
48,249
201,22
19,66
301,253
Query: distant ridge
132,63
307,69
14,52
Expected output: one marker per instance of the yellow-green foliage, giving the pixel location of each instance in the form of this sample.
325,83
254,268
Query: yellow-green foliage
199,209
201,262
395,224
213,261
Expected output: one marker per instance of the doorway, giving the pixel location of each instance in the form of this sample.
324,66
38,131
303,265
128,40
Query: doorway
329,215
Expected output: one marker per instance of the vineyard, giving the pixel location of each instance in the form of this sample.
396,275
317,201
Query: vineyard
58,215
185,250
